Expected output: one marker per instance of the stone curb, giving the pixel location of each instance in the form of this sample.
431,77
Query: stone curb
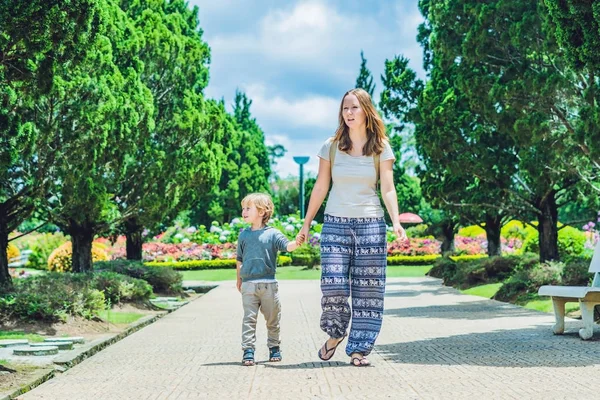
44,376
199,286
76,356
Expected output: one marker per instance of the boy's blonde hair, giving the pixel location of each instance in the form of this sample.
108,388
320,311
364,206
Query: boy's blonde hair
262,202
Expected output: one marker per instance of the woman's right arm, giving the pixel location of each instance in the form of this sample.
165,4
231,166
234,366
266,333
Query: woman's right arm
318,194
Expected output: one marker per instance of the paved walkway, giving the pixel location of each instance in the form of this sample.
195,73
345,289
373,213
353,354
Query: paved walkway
435,344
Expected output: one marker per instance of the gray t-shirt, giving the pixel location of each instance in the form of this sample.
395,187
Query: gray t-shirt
257,251
354,190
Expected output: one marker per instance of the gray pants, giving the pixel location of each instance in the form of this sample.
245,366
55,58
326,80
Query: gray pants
263,296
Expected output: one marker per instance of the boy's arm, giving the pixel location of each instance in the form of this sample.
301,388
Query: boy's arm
239,280
239,253
282,243
291,246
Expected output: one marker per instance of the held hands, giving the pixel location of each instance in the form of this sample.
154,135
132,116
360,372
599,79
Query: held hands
400,233
302,235
300,238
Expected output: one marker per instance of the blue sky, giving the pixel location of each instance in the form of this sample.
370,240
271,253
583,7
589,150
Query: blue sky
295,59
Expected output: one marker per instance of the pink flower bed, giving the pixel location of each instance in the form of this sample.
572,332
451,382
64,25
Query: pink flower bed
511,245
416,247
470,245
156,251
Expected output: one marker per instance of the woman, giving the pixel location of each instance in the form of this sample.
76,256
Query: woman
353,240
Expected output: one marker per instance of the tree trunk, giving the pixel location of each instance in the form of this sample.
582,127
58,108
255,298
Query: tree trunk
448,235
548,229
82,238
133,245
493,225
4,275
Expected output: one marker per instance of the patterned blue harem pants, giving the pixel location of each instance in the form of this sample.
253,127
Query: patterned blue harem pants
353,262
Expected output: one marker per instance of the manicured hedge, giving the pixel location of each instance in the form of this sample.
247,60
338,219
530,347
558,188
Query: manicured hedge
412,260
282,261
471,257
285,261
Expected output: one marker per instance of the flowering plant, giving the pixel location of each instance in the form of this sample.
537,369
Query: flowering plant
592,234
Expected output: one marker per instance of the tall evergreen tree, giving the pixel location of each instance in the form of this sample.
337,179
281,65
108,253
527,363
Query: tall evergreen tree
38,39
246,168
177,159
576,30
98,113
365,78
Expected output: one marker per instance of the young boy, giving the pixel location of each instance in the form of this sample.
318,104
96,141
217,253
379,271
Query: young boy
256,263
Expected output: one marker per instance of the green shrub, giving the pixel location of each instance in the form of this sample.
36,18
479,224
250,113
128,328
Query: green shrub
41,246
527,279
571,242
88,303
162,280
468,257
417,231
284,261
471,231
514,229
51,297
576,271
12,253
306,255
500,268
118,288
60,260
302,259
444,268
462,272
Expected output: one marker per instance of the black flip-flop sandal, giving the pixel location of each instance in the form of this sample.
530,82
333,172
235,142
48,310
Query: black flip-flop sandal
328,350
362,362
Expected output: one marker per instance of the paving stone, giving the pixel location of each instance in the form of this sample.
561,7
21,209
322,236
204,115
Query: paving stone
36,351
13,342
435,344
61,345
72,339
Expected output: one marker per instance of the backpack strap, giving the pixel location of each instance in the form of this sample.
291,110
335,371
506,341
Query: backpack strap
333,150
376,160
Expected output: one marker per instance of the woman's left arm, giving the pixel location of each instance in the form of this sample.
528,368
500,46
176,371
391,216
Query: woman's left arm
390,198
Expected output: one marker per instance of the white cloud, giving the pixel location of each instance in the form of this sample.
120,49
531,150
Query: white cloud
305,33
310,111
308,33
296,146
294,60
287,166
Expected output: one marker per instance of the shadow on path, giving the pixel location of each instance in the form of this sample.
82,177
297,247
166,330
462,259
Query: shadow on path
471,310
534,347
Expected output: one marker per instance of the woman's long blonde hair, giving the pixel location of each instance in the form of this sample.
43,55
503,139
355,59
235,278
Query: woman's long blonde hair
376,135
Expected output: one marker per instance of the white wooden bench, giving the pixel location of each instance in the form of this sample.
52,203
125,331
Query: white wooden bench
587,296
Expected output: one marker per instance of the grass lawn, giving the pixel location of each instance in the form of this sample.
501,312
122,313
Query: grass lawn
287,273
11,335
487,291
116,317
546,306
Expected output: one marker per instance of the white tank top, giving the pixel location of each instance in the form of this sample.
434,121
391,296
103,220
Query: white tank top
354,193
